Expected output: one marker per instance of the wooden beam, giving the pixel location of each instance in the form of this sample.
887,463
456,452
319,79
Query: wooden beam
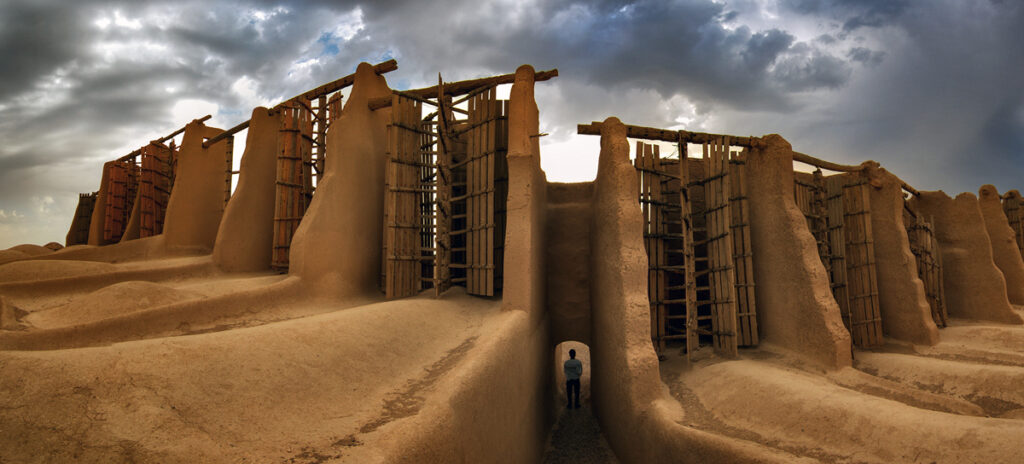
808,159
336,85
665,135
223,135
162,139
452,89
325,89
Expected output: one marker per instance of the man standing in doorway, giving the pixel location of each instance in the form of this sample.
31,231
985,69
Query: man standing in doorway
573,370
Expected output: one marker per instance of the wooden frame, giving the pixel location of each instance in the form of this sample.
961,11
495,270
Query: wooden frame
929,267
293,185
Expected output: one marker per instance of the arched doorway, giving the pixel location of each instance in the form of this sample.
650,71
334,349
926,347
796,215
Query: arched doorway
561,354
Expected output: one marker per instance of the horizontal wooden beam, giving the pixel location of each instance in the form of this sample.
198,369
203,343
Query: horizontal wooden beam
162,139
326,89
808,159
674,136
336,85
228,133
452,89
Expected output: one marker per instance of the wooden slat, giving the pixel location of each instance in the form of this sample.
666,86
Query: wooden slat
837,245
746,307
865,322
1013,206
154,188
402,244
929,269
293,176
78,234
720,249
229,158
659,244
443,256
686,225
122,186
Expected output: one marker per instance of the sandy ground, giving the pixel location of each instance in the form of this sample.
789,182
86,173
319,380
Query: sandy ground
958,402
302,390
174,361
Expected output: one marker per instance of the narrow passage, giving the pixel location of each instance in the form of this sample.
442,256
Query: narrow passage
576,438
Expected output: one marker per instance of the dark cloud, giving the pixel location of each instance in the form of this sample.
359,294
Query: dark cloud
865,56
36,38
930,89
854,14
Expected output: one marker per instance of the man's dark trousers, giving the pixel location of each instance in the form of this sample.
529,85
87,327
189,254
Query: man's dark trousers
572,387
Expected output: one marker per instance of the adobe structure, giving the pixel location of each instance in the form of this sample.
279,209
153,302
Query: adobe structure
394,280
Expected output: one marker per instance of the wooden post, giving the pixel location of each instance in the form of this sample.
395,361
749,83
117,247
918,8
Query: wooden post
229,155
689,260
443,208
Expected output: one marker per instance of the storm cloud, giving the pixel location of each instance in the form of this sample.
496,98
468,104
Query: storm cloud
929,89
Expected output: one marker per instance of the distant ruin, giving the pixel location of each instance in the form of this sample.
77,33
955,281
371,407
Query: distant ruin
740,301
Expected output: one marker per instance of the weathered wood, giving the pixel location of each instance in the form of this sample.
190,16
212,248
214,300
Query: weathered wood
865,315
229,158
443,255
720,248
837,245
453,89
154,188
929,270
665,135
403,218
122,185
686,234
78,234
820,163
1013,206
743,253
292,173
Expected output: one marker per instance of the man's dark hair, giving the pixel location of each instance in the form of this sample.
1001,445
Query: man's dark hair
572,354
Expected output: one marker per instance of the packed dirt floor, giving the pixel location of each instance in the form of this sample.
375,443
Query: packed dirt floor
959,401
576,438
290,380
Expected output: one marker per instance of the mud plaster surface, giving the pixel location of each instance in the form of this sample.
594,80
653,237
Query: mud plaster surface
1005,252
974,286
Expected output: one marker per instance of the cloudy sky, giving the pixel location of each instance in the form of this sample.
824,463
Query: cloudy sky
932,89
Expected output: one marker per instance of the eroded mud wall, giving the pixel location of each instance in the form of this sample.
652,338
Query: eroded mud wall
99,210
795,307
196,204
337,247
902,301
1005,253
637,414
975,289
524,280
567,247
245,239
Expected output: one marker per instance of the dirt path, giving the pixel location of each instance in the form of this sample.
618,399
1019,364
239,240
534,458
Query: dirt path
577,438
